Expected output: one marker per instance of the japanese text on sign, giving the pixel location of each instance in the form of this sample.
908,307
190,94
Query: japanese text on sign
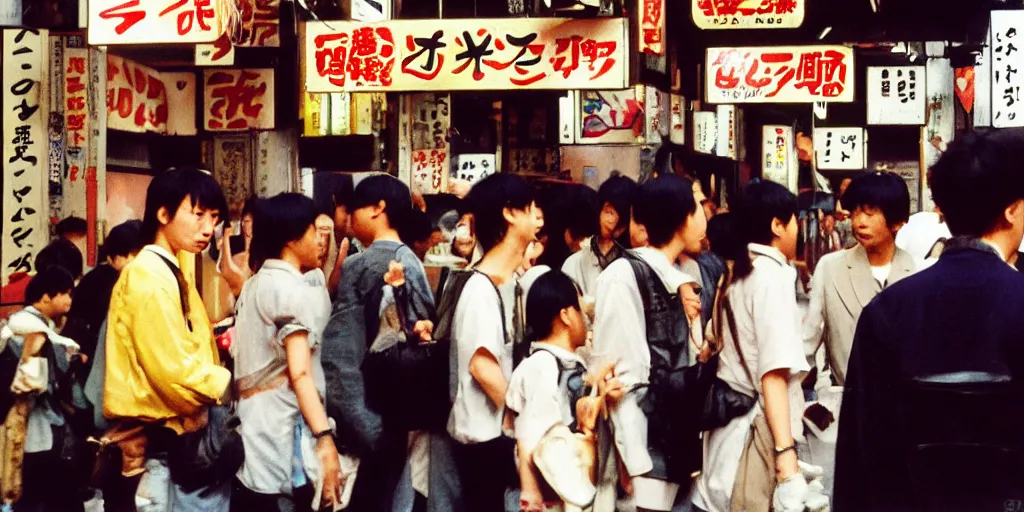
839,148
776,153
431,119
473,167
136,97
896,95
652,27
429,169
155,21
24,151
1007,77
260,23
525,53
726,14
782,74
76,81
705,132
238,99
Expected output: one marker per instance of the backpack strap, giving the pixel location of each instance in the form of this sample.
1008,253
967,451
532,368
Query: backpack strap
731,319
182,289
576,388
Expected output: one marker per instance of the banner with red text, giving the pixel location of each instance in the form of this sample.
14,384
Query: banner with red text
652,27
467,54
726,14
780,74
155,21
238,99
136,97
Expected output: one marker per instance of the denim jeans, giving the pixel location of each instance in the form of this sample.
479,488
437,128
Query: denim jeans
157,493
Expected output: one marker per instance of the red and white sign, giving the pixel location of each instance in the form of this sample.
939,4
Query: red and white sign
777,153
114,22
429,171
726,14
467,54
238,99
218,53
780,74
76,108
1007,76
652,27
260,23
136,97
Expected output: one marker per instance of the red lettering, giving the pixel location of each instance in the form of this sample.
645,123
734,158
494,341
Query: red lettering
128,17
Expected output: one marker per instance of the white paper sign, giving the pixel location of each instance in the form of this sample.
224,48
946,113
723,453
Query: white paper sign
726,126
677,132
896,95
705,132
776,153
1007,69
152,21
840,148
473,167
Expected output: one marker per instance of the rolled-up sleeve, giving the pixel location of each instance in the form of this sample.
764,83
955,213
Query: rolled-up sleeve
289,309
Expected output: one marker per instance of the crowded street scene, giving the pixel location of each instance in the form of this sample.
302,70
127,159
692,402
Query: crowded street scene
509,256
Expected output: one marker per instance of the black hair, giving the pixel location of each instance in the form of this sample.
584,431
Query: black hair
582,208
487,201
125,239
396,196
250,206
663,205
278,221
342,190
664,160
61,253
552,292
417,228
763,201
170,188
72,226
977,178
50,282
883,190
617,191
725,237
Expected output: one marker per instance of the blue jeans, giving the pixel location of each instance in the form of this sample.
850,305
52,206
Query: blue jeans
160,494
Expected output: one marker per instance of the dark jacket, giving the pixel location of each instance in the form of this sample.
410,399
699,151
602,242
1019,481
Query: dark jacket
961,315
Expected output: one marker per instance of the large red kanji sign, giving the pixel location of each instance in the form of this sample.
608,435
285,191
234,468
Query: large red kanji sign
238,99
466,54
726,14
114,22
780,74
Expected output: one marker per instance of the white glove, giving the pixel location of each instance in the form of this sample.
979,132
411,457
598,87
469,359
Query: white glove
802,490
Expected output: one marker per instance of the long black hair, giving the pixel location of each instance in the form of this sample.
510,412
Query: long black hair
763,201
278,221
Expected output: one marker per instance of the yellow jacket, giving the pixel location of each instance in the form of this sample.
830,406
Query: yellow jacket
158,371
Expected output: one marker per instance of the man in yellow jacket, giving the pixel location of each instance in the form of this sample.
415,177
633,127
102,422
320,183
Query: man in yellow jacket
162,367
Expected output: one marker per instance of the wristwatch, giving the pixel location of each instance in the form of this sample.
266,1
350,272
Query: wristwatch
324,433
781,450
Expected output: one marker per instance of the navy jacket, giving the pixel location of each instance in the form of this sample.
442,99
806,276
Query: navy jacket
964,314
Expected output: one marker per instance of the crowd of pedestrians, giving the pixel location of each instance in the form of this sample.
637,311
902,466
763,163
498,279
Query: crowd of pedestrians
633,348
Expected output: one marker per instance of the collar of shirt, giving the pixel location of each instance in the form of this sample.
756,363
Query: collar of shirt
163,252
671,276
276,264
769,251
557,351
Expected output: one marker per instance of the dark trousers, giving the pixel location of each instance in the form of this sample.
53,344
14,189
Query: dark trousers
48,484
486,470
245,500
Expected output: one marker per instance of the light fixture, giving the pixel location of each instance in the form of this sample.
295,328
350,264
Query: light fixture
824,33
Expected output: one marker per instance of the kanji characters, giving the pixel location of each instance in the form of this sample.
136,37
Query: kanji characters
366,56
586,50
196,14
238,97
521,61
129,12
820,73
474,53
429,45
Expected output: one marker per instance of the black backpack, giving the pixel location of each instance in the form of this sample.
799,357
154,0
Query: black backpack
682,399
571,381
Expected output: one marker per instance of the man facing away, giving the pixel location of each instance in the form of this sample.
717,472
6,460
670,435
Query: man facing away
919,428
163,370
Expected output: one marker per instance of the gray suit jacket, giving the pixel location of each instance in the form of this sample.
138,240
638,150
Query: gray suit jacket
842,285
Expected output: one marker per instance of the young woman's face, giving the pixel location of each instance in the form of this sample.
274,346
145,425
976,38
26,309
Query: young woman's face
307,248
609,222
787,235
247,225
695,231
577,325
324,225
190,227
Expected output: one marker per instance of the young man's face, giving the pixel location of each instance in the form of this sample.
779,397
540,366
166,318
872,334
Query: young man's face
787,234
695,231
526,224
308,249
190,228
609,222
637,233
871,228
59,304
362,224
577,325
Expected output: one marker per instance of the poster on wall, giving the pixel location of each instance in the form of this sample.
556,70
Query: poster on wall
260,23
136,97
25,200
726,127
737,14
897,95
1007,38
652,27
840,148
780,74
705,132
430,171
113,22
431,119
656,113
611,117
238,99
677,131
777,154
473,167
466,54
232,168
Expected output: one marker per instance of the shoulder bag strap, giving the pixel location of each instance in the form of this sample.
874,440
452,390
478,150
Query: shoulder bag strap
731,318
182,289
501,304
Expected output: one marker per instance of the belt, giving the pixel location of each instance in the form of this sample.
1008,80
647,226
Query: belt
247,387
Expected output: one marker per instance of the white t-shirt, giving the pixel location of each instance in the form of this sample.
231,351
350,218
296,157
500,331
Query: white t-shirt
881,274
769,328
534,395
620,336
474,417
582,267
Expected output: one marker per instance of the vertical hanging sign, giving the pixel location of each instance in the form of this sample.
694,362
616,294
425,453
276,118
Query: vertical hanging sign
1007,73
24,202
896,95
652,27
76,129
776,153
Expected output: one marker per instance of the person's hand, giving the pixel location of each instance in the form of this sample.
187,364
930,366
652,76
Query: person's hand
330,469
424,329
612,389
790,494
691,300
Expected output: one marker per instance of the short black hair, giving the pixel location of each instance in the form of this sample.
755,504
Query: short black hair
61,253
883,190
169,189
51,282
581,210
552,292
764,201
72,226
977,178
249,208
725,236
487,201
125,239
663,205
382,187
417,228
618,191
277,221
